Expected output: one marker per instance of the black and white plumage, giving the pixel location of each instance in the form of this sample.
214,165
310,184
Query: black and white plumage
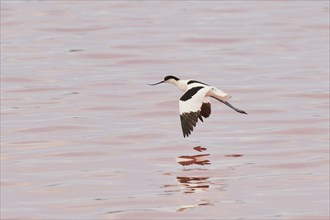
195,102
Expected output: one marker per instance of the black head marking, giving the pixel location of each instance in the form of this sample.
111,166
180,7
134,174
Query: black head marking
171,77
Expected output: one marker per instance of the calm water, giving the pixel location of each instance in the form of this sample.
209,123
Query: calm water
84,137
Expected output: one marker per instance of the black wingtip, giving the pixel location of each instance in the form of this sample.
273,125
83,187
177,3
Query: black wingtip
186,135
188,122
200,118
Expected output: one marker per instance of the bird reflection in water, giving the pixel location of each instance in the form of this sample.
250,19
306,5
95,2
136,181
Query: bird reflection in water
199,159
193,184
196,180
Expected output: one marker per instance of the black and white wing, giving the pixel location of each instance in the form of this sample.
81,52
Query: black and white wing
193,106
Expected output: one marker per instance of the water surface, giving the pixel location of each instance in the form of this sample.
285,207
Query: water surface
84,137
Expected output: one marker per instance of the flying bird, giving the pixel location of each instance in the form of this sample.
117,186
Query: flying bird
195,102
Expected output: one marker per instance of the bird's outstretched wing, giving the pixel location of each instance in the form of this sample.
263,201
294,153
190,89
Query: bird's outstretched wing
193,106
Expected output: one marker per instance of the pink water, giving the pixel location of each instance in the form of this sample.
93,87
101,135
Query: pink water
84,137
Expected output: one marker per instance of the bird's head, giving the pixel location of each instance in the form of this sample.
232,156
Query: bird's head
167,79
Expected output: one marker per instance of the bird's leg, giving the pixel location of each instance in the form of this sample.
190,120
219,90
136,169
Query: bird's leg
232,107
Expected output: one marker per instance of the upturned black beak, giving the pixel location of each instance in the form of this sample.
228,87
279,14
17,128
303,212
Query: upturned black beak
156,83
